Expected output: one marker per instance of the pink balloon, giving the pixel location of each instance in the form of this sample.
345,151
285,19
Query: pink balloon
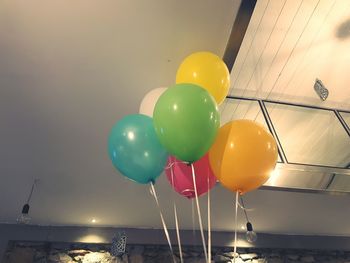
179,175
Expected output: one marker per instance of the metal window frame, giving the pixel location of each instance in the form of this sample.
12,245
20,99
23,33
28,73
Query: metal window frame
284,160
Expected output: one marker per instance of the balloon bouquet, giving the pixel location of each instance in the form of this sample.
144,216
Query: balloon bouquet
178,131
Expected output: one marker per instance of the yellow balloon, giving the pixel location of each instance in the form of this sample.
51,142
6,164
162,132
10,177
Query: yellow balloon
243,155
208,71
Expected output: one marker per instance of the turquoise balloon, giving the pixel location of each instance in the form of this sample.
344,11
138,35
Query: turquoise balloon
135,150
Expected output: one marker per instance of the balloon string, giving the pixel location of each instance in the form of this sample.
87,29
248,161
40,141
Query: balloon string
176,218
193,221
172,164
245,209
178,234
199,213
235,244
209,223
153,191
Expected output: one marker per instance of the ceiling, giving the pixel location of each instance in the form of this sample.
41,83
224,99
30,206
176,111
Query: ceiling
289,44
70,70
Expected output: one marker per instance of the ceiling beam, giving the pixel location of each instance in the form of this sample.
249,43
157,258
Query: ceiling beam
238,31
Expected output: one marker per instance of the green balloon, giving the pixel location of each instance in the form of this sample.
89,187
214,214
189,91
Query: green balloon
186,120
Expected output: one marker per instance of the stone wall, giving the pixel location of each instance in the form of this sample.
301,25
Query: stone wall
48,252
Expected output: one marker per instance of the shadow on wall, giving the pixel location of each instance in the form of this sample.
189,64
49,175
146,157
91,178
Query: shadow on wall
343,30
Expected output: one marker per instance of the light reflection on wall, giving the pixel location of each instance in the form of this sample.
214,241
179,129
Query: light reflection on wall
240,243
92,239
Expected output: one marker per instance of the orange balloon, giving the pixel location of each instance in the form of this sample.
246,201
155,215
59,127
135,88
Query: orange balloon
243,155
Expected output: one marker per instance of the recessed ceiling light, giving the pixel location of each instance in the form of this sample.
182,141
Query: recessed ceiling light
93,220
242,227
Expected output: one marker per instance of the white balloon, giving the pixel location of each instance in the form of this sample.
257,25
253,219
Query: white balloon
150,100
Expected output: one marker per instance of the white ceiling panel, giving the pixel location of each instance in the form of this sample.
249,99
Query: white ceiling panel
288,45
